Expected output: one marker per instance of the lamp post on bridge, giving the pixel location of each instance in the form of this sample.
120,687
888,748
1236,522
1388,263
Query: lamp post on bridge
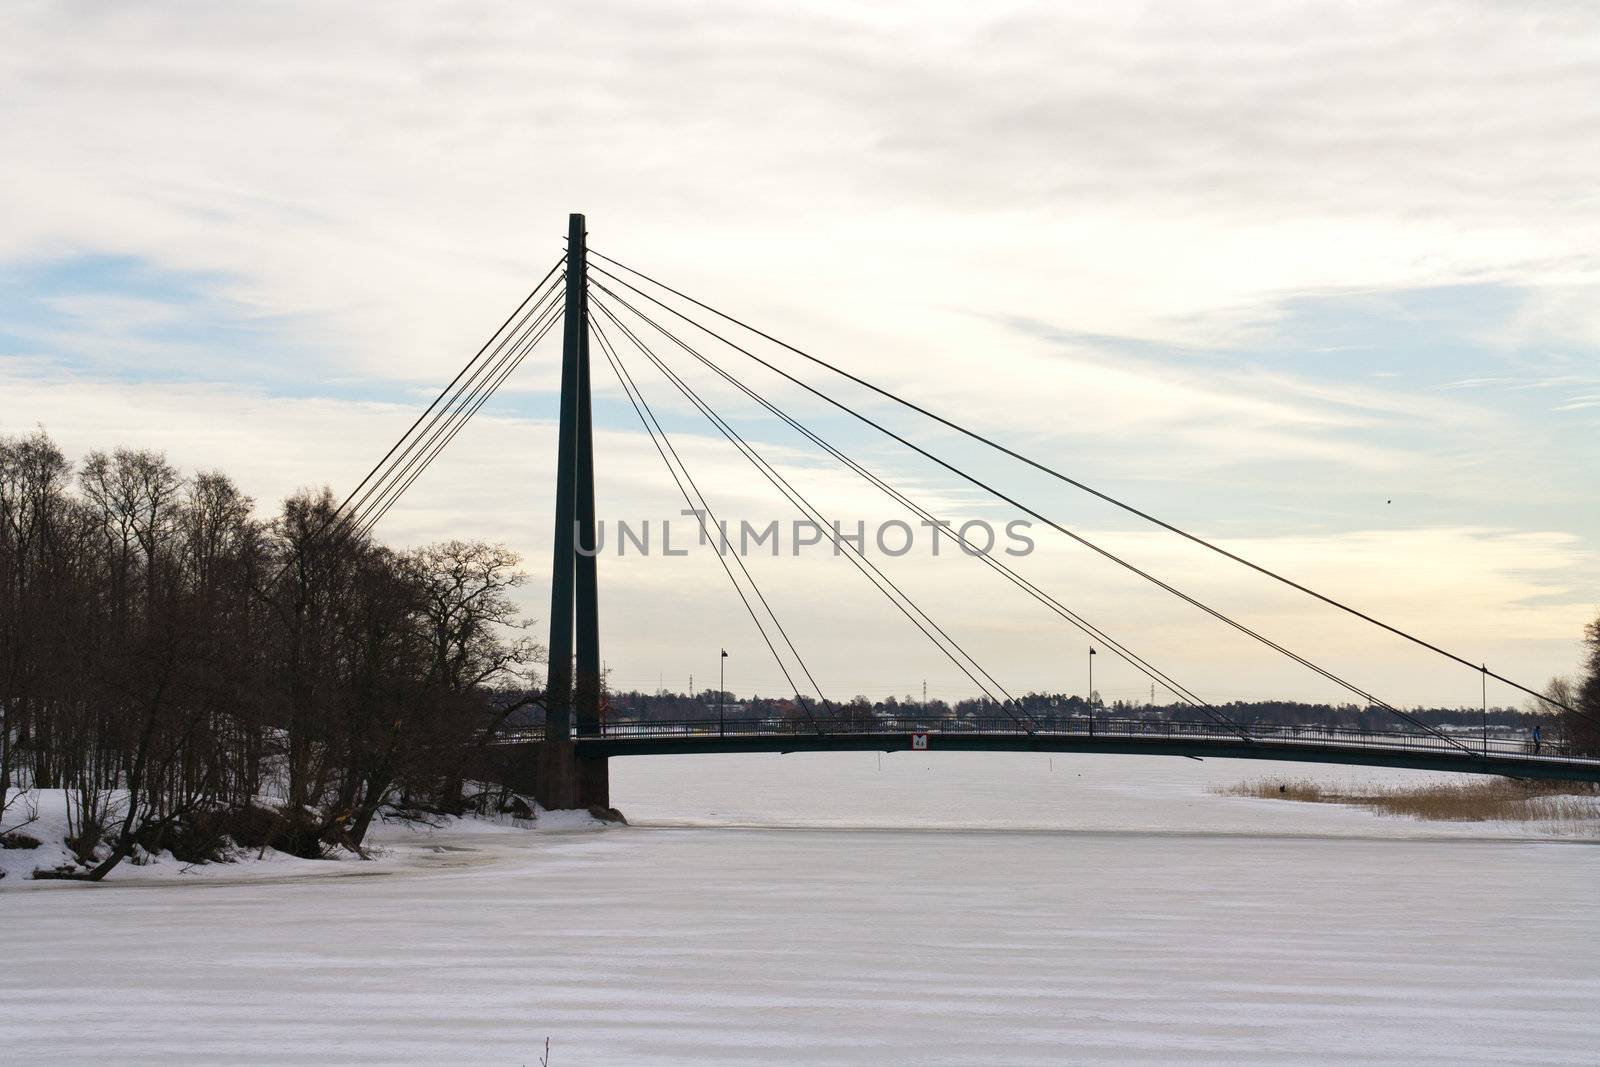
1089,700
1485,682
722,686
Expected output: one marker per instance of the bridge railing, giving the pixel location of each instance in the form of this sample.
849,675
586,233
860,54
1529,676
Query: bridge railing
1276,734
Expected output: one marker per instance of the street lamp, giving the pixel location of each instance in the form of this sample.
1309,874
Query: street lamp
1485,709
722,684
1090,698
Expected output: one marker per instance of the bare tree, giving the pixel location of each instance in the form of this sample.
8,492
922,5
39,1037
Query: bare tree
34,476
1583,729
479,642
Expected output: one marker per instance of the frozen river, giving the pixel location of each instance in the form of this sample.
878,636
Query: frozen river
939,908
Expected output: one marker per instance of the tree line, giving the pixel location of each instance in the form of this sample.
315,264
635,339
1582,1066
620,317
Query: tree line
1577,731
190,673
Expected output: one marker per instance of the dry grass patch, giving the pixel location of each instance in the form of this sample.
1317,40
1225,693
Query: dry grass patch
1485,800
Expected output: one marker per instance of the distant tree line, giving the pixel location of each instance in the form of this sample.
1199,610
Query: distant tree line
1579,732
188,672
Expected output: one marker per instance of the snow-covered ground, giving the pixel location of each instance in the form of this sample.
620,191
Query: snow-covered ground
42,816
944,908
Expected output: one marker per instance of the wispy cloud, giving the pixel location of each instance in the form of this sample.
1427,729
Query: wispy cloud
1578,403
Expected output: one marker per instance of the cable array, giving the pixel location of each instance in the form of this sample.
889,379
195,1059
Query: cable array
1107,497
1370,698
686,485
1184,694
452,409
880,581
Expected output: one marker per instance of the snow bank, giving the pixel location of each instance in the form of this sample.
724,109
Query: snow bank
42,815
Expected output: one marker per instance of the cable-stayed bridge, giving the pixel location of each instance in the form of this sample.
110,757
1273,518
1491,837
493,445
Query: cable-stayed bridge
633,318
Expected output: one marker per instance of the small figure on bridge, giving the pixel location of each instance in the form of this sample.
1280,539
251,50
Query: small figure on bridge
1537,739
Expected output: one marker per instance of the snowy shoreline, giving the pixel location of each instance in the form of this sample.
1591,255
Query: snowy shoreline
395,845
1094,799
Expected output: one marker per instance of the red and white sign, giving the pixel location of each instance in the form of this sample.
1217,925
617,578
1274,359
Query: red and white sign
919,742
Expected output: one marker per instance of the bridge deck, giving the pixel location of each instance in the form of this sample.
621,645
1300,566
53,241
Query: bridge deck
1196,740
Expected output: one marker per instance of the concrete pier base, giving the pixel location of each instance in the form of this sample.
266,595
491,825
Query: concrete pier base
555,776
565,779
594,782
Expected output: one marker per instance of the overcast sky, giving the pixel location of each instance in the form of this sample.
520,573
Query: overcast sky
1318,281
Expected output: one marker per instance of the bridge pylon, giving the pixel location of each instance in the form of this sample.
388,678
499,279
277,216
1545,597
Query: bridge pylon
563,777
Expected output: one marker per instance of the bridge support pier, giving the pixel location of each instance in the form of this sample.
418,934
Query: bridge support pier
555,776
594,782
566,778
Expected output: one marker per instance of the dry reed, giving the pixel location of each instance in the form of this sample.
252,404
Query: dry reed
1485,800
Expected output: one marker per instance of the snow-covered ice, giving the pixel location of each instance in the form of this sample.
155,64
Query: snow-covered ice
946,908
